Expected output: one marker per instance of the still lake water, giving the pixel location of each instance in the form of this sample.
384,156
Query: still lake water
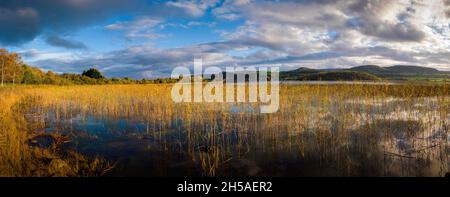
398,140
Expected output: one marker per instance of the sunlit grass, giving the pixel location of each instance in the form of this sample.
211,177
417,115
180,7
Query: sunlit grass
19,158
349,130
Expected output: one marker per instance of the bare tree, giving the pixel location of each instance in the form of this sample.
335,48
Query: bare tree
3,66
14,78
10,67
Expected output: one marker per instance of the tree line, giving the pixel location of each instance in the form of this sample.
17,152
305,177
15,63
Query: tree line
15,71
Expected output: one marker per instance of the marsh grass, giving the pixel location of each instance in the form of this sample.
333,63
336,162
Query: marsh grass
18,157
320,130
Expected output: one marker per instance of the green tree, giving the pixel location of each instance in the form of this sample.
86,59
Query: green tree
93,73
32,75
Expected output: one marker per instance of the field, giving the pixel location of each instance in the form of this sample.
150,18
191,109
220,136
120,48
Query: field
137,130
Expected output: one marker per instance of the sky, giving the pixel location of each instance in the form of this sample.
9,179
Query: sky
147,39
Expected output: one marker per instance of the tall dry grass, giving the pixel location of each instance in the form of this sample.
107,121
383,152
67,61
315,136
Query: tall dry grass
348,130
19,158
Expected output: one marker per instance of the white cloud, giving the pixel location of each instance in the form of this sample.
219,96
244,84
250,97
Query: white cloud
230,9
195,8
412,31
143,27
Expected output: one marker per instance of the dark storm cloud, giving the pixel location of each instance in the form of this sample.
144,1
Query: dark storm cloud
18,25
23,20
64,43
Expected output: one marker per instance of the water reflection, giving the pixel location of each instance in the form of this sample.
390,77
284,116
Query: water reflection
378,139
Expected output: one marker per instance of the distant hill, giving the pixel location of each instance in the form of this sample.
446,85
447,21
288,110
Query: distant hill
411,69
303,70
369,69
396,70
367,72
315,75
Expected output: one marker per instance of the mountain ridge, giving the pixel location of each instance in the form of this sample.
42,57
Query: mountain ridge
367,72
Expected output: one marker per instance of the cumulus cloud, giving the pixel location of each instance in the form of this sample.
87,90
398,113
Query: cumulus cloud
403,29
387,20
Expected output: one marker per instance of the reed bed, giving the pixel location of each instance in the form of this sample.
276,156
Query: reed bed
319,130
19,157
